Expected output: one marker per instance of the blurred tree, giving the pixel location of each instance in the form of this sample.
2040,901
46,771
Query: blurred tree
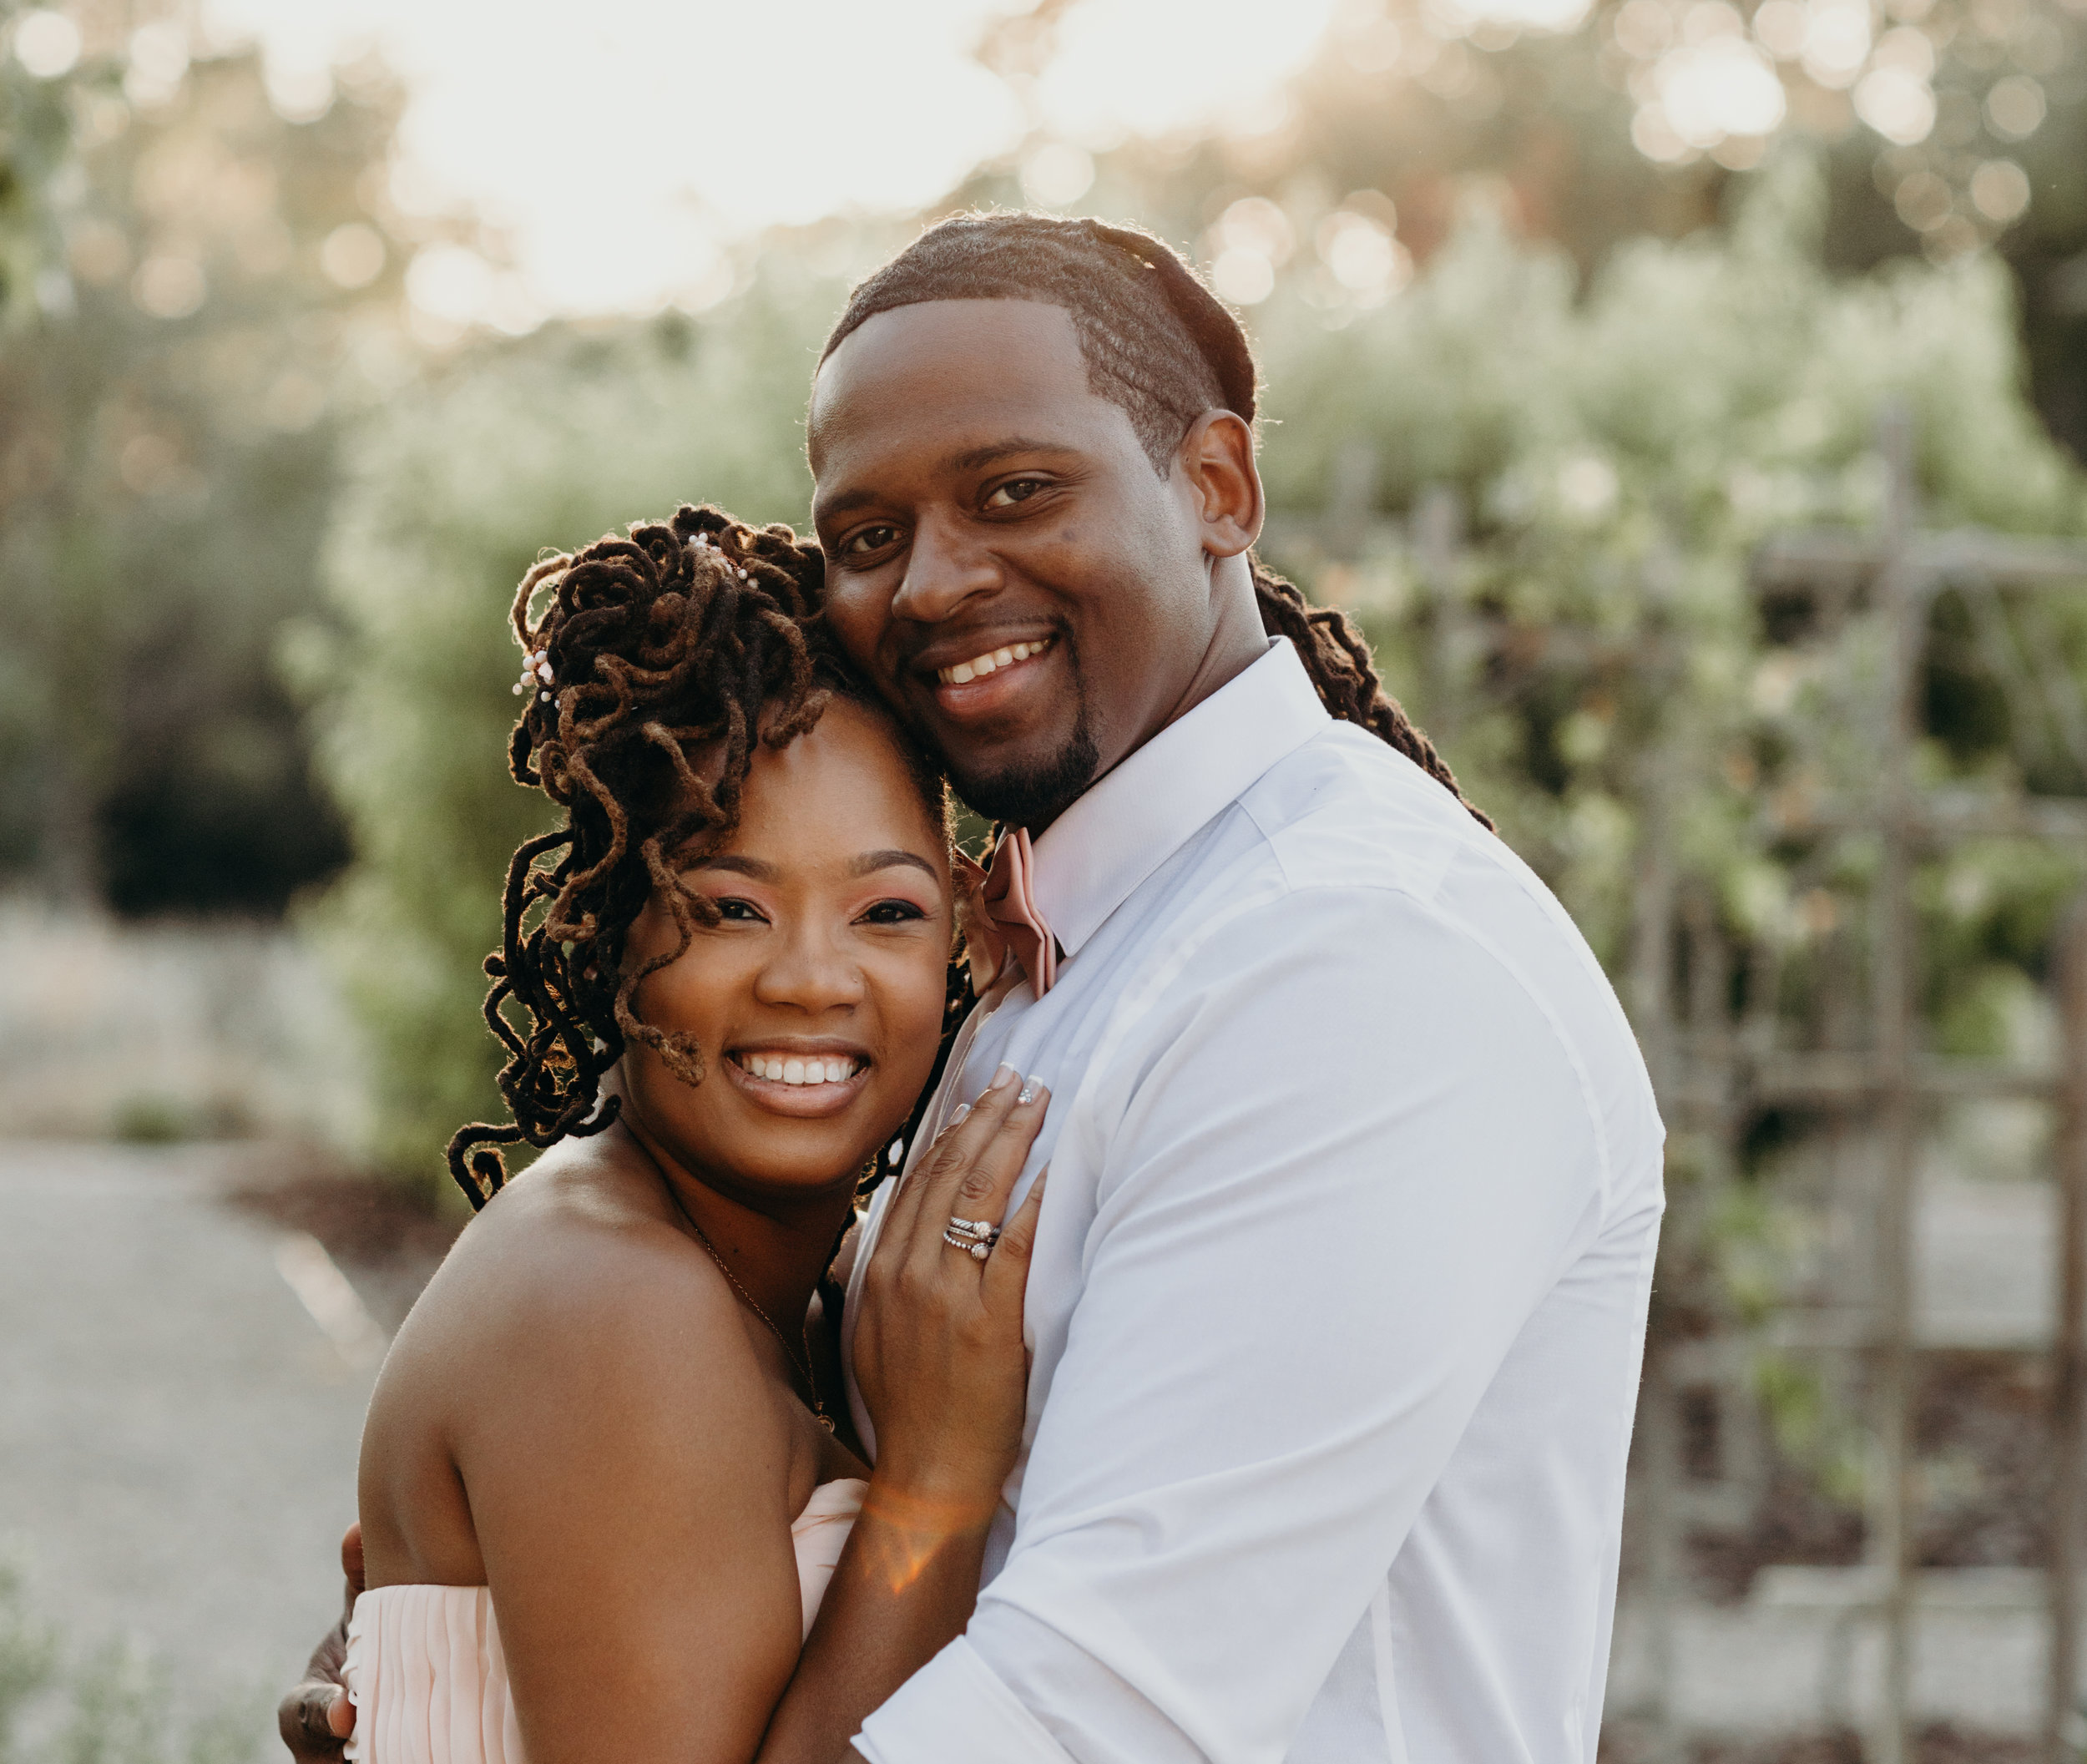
168,420
453,490
39,73
1948,126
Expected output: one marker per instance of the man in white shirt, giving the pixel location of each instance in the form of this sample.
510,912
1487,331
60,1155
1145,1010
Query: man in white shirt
1337,1304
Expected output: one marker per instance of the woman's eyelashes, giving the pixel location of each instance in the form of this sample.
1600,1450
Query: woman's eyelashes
735,910
893,913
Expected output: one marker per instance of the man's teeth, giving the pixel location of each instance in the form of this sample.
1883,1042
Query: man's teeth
981,666
793,1069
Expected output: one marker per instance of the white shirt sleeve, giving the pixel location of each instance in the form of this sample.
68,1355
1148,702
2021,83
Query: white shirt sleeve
1338,1164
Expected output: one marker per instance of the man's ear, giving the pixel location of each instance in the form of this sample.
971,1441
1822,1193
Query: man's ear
1217,459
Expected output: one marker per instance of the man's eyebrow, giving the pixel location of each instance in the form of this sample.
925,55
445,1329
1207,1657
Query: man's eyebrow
974,457
825,509
757,867
870,862
846,502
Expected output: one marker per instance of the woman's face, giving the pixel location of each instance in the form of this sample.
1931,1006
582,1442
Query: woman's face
817,1001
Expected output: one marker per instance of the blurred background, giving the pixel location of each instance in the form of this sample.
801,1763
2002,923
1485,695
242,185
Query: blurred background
1689,396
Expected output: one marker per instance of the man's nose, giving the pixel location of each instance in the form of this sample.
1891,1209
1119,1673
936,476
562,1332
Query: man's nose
810,971
945,567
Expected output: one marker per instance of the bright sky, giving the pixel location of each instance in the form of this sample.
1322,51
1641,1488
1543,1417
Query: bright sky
676,125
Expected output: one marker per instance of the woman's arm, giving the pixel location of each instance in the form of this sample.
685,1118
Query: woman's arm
940,1362
628,1485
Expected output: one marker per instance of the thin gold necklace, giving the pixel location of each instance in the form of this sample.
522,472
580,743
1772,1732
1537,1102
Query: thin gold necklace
802,1367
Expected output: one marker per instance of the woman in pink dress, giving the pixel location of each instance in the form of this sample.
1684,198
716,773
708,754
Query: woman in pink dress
608,1471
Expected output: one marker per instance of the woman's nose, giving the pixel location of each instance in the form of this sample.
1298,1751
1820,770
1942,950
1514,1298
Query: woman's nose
810,971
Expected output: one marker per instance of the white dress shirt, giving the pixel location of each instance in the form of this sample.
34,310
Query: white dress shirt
1339,1292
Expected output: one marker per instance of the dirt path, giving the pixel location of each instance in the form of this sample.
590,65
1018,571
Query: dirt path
177,1433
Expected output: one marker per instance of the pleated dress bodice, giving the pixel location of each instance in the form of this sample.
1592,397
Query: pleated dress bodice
429,1681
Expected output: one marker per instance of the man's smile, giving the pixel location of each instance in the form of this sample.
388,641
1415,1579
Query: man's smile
987,682
989,662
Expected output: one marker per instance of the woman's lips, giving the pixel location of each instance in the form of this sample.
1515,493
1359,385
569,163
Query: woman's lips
802,1101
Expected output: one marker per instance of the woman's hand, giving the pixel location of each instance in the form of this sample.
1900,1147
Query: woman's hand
938,1354
940,1362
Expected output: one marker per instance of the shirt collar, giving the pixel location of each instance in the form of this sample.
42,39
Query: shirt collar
1091,859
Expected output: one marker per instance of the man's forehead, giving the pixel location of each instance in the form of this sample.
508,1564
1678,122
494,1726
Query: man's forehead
990,359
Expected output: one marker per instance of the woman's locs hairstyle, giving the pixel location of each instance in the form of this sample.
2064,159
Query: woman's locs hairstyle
688,636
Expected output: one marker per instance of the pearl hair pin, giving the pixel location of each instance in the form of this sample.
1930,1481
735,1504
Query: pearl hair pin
536,671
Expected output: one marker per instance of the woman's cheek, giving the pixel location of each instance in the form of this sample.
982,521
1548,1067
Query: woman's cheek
927,995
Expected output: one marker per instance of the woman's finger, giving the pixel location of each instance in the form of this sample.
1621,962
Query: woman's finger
982,1188
976,1188
954,1152
1006,1269
902,1219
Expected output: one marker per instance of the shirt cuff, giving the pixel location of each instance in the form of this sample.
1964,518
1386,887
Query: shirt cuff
956,1708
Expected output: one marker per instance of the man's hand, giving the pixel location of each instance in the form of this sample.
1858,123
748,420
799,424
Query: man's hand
316,1718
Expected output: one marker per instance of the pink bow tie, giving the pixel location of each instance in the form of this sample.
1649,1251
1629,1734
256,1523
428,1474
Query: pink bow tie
1003,915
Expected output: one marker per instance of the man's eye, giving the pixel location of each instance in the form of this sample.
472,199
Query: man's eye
739,912
1015,490
869,539
893,913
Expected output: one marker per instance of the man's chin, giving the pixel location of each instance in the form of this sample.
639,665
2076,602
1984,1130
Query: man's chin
1034,795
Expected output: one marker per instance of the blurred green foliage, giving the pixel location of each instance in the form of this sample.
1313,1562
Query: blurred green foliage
1621,454
36,149
111,1707
213,301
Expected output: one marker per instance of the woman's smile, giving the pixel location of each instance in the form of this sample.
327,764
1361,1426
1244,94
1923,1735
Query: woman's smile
793,1077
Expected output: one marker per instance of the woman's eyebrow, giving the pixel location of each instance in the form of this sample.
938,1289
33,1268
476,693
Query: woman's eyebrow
759,868
871,862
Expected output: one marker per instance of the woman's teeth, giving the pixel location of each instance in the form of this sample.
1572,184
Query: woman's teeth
981,666
794,1068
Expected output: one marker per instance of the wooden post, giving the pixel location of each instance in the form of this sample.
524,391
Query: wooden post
2069,1348
1903,598
1651,1004
1438,538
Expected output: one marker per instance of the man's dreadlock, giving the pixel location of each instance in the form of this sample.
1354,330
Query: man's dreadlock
692,634
1160,345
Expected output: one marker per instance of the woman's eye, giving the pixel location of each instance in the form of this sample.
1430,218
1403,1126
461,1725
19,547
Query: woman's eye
1016,490
869,539
893,913
740,912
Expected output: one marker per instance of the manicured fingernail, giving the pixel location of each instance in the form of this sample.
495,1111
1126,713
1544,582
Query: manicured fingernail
956,1115
1031,1088
1003,1078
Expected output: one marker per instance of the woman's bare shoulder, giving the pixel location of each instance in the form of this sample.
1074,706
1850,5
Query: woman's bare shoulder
578,1270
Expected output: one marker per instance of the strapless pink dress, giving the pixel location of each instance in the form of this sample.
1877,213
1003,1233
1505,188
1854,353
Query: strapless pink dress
429,1682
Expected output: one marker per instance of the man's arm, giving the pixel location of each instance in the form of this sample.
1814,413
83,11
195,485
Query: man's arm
1340,1172
316,1718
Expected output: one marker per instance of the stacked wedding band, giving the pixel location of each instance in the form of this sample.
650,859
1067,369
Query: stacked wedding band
976,1237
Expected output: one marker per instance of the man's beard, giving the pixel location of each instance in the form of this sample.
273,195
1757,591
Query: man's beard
1035,795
